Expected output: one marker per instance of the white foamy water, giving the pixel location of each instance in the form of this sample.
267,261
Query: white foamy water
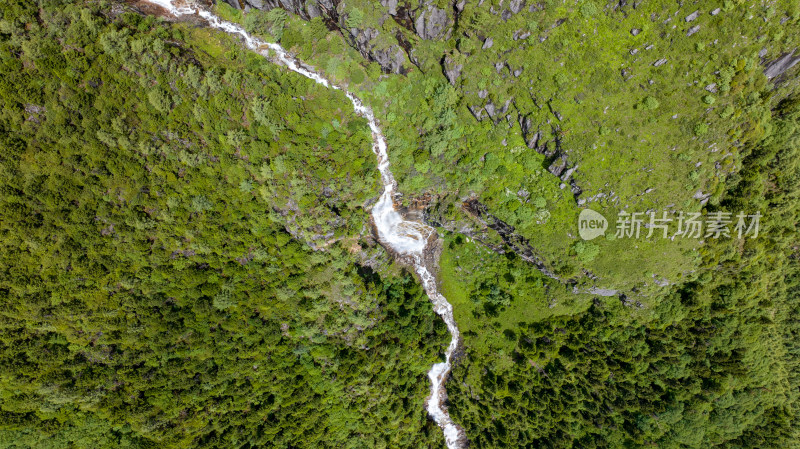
407,238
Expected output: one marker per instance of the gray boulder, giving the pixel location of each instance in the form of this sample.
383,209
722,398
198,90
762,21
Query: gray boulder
490,109
558,165
531,137
476,111
391,59
390,5
603,291
519,35
517,5
432,23
451,70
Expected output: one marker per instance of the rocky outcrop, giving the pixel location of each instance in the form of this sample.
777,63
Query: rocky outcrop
531,137
451,69
496,113
425,18
779,66
516,242
390,59
391,6
433,23
306,10
516,6
362,38
555,159
558,165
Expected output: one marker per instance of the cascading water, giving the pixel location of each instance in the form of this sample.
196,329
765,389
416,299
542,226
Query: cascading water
407,238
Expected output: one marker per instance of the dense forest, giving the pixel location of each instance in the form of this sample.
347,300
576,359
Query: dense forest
188,259
160,285
714,365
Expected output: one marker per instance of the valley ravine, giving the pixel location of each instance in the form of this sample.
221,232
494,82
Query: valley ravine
406,239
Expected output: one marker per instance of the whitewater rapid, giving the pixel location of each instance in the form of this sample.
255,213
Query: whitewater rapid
406,238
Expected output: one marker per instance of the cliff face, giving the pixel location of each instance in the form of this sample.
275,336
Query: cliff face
409,20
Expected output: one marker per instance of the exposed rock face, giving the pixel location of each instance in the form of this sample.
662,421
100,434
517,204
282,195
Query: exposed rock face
432,23
490,109
558,165
516,6
567,174
603,291
497,113
361,38
779,66
452,70
306,10
516,242
531,137
476,111
391,59
519,35
422,17
391,6
556,162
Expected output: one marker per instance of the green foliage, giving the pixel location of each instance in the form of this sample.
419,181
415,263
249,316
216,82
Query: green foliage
270,23
586,251
228,12
318,29
257,22
650,103
700,129
711,364
158,279
588,9
354,18
159,100
727,111
161,192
